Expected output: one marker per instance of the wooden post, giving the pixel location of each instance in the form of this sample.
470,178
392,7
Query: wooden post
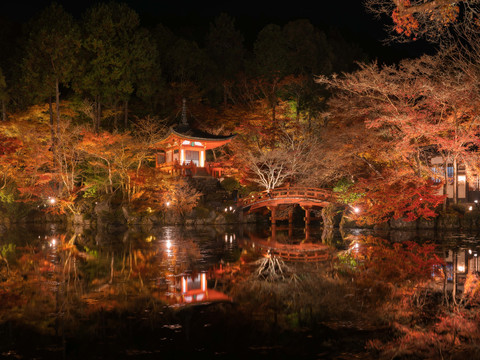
307,215
274,233
307,232
307,221
273,213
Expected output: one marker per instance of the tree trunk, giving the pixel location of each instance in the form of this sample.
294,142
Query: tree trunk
98,113
445,184
4,110
455,181
274,114
95,114
115,118
52,129
57,103
417,160
224,94
126,113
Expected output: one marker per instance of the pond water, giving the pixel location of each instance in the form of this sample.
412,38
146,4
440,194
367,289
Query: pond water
165,291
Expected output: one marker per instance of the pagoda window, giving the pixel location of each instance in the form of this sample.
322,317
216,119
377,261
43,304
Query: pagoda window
168,157
161,157
192,157
191,143
176,155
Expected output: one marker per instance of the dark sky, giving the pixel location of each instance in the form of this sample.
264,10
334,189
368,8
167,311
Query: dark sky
348,16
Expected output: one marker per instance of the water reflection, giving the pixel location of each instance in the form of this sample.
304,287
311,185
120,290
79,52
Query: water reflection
51,278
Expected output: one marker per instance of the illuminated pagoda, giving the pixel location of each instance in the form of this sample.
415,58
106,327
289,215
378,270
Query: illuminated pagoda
183,150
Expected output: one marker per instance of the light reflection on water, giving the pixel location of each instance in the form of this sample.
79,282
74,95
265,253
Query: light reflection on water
158,258
77,273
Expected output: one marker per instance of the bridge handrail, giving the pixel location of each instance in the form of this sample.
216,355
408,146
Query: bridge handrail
286,192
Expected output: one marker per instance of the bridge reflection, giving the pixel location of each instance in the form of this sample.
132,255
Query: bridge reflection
281,242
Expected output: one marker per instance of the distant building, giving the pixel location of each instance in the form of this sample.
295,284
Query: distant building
183,150
468,187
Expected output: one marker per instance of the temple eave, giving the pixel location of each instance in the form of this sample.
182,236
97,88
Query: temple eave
210,143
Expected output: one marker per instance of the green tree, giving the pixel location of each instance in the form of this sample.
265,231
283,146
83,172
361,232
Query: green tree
225,48
3,95
51,53
270,63
308,54
116,49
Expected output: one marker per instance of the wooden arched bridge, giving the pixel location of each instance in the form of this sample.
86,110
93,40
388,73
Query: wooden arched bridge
305,197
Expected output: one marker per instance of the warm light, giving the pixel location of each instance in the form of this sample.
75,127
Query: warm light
54,242
230,208
202,158
470,208
182,156
226,209
356,210
475,201
203,281
184,284
52,200
462,178
168,244
226,237
470,251
461,268
167,203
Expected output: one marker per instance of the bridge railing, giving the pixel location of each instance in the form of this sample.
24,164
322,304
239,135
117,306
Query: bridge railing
286,192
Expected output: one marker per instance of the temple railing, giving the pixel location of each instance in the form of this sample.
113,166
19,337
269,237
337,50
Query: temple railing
189,168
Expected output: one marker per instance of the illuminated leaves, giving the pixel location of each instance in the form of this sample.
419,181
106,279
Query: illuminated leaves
406,197
430,19
400,264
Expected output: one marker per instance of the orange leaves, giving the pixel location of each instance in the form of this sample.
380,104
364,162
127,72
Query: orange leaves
404,23
399,263
8,145
397,197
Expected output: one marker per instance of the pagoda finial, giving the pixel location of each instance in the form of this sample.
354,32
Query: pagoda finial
184,113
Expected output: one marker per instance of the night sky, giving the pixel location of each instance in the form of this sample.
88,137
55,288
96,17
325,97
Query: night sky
192,18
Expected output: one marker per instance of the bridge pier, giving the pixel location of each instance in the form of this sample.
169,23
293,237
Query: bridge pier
273,214
307,217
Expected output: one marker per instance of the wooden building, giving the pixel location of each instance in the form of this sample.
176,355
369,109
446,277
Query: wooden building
467,187
184,150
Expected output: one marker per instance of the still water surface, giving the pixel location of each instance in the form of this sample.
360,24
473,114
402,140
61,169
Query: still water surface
67,294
